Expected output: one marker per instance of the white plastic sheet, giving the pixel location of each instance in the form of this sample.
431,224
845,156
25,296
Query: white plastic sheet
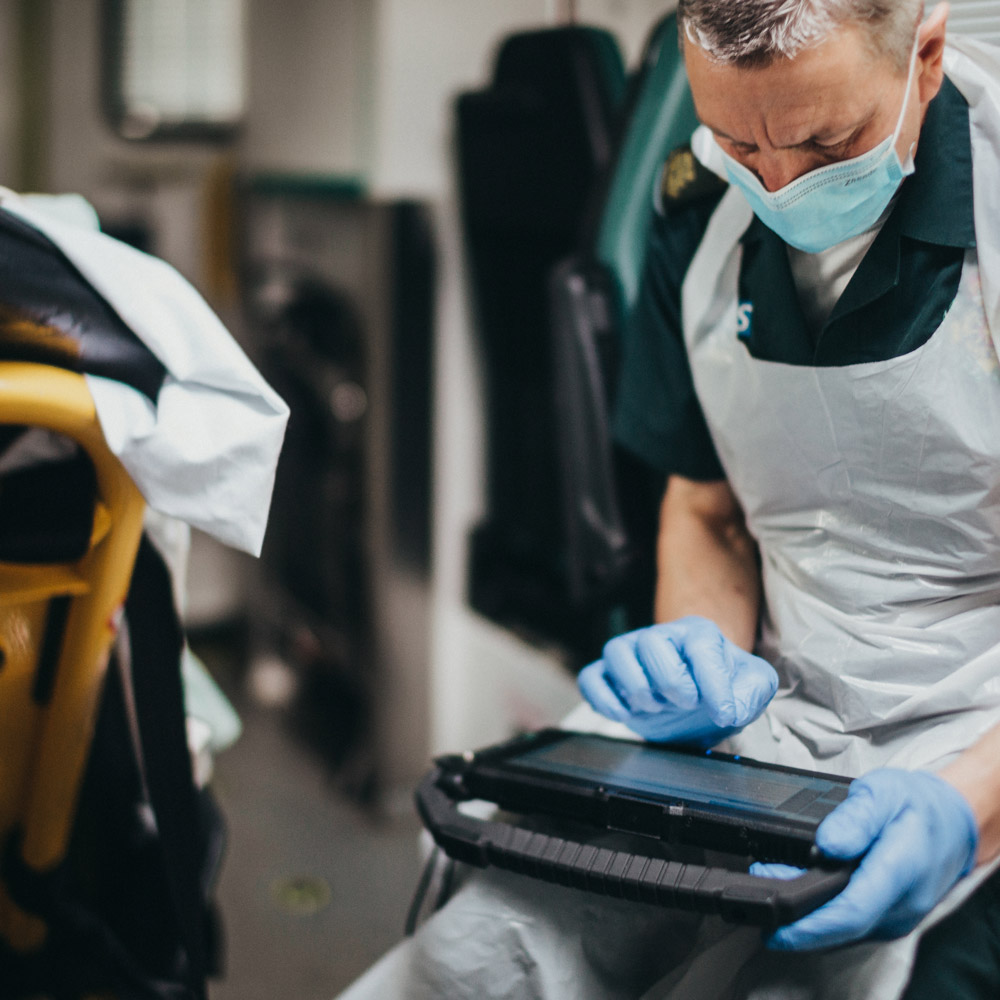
206,452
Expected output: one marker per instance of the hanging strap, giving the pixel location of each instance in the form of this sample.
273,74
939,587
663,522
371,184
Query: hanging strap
156,645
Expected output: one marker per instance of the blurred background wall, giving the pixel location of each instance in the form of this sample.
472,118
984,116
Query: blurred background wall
349,113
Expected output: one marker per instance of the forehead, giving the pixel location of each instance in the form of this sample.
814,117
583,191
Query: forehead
828,86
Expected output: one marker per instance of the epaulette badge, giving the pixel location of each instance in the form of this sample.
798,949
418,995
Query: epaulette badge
684,179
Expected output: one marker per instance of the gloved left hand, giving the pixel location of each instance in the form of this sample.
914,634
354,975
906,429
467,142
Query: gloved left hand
679,682
916,836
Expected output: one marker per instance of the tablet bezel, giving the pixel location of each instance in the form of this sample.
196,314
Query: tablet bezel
495,774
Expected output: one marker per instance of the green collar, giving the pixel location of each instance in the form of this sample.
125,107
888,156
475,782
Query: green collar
935,204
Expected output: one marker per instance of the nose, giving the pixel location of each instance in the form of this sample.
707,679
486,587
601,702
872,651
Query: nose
779,167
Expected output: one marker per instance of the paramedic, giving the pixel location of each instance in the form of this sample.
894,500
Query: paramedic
814,364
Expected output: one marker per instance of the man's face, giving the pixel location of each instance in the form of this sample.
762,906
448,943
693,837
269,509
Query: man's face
831,102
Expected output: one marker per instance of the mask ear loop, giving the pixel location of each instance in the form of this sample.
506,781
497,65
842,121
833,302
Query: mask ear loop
906,101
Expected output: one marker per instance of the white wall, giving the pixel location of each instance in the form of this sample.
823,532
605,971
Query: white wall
308,86
427,51
163,184
980,18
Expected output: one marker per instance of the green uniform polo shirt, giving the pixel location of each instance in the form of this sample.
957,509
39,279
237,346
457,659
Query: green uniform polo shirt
894,302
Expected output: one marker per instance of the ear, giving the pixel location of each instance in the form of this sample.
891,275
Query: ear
930,54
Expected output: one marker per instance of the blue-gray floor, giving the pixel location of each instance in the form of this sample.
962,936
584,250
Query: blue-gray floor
313,887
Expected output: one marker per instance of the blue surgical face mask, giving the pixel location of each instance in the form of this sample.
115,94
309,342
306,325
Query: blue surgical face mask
833,203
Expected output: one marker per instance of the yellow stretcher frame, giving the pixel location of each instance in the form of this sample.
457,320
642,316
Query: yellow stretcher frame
44,747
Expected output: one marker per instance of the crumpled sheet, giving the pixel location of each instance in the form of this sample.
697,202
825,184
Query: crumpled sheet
206,452
507,937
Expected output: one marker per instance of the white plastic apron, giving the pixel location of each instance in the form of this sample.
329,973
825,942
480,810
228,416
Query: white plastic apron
873,491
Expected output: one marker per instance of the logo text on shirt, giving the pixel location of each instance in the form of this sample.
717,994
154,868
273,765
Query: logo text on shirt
744,314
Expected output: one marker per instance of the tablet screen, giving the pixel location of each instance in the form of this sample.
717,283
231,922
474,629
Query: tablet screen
659,773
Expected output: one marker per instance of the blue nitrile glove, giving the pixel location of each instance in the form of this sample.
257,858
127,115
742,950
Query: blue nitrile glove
683,682
917,836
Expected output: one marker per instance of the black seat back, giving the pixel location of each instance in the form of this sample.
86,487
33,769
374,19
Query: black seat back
533,147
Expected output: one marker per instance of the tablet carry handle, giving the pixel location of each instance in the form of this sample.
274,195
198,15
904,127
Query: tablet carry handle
735,896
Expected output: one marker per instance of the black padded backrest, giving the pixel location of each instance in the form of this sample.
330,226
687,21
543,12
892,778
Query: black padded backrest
611,499
533,142
533,147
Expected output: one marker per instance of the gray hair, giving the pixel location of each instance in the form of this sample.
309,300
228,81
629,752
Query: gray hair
753,32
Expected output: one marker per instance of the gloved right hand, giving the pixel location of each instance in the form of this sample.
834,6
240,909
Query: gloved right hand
916,836
683,682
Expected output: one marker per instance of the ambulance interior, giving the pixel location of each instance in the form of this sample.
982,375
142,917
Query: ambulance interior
392,205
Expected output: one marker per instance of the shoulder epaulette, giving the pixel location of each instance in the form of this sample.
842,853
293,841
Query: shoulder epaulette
685,179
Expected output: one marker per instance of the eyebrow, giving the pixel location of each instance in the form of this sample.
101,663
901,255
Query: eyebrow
855,130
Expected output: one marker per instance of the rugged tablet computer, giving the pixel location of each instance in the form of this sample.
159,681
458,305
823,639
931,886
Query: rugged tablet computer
684,797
